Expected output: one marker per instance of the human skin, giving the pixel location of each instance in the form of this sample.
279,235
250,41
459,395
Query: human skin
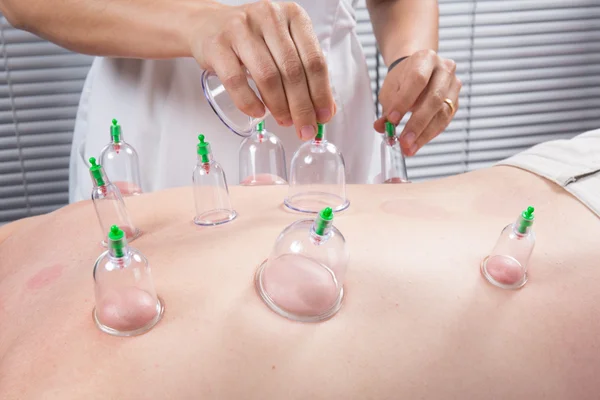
418,320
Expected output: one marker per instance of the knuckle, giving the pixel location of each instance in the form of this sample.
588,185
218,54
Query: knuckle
293,71
315,64
421,78
436,100
450,65
268,76
459,83
210,45
246,105
430,54
235,82
238,22
293,9
268,10
303,111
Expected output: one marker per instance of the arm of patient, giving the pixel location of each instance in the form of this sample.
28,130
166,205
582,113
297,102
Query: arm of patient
418,320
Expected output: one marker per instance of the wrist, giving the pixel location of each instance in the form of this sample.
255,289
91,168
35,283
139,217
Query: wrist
396,62
199,24
391,55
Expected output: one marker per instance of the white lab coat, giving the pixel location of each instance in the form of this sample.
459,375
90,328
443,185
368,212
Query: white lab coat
161,108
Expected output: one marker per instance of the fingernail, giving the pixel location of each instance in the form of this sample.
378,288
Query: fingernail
285,122
394,117
413,149
409,138
307,132
323,115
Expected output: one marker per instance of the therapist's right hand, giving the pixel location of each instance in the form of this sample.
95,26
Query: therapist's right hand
276,43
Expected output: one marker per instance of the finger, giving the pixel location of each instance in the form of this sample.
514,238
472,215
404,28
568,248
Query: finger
450,65
255,55
282,47
230,71
441,120
379,124
315,65
428,105
402,90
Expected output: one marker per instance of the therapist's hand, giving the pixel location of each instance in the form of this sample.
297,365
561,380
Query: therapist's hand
419,84
276,43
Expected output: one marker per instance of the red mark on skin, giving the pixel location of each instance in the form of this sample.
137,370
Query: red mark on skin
262,180
126,309
45,277
505,270
396,180
300,285
128,188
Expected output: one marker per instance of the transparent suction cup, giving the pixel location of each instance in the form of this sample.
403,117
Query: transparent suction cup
223,105
121,163
262,159
393,166
126,300
85,186
304,275
317,177
213,206
506,266
109,204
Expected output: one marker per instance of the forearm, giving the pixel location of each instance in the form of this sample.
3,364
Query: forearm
403,27
120,28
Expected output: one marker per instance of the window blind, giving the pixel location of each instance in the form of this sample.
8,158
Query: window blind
530,72
40,85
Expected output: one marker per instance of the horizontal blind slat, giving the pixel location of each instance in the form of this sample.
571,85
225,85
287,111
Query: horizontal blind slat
534,85
525,63
539,96
535,108
491,144
8,191
491,31
43,88
37,127
541,14
539,128
35,102
40,114
44,75
56,162
47,61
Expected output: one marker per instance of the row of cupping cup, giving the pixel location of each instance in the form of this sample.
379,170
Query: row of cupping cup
302,279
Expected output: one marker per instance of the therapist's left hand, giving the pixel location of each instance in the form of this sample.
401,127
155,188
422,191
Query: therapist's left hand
419,84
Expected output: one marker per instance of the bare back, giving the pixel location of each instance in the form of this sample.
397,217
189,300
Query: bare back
418,320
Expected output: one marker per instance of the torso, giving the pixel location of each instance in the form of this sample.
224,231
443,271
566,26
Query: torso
418,320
